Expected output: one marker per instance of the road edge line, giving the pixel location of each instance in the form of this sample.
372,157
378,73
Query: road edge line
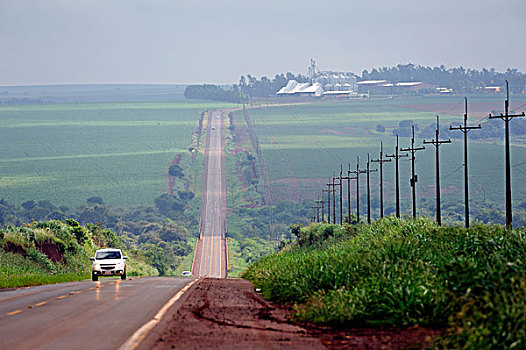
136,338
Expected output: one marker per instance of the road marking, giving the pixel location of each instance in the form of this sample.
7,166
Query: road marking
210,271
220,253
141,333
62,297
14,312
41,303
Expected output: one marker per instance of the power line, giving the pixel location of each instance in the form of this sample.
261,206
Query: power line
453,172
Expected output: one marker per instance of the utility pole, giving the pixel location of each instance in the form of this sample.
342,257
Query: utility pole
466,129
414,178
381,161
322,202
507,117
333,199
368,171
436,142
397,156
358,171
328,190
349,178
341,194
317,207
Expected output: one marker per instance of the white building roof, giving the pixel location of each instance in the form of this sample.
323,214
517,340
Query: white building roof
293,87
344,92
409,83
371,82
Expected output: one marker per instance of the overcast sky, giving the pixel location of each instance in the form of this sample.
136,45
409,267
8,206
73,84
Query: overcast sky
217,41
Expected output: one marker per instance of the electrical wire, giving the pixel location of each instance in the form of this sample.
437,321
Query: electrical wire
453,172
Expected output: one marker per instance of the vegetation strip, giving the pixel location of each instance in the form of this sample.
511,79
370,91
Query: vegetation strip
468,282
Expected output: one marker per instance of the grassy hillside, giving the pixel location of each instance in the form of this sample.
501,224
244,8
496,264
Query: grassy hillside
66,153
55,251
404,273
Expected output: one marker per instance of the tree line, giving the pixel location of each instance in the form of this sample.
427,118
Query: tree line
161,231
460,79
248,86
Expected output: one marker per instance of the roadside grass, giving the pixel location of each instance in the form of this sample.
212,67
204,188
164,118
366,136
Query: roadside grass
56,251
16,271
405,273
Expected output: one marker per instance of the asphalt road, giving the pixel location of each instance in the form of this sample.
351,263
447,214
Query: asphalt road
211,253
82,315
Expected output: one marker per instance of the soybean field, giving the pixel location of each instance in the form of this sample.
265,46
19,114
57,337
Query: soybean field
303,145
66,153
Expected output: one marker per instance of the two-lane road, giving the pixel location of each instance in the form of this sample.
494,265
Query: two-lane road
82,315
211,252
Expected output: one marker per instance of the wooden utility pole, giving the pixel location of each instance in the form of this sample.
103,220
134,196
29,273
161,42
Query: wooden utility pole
328,190
319,205
322,202
349,178
314,213
368,171
333,199
466,129
358,171
397,156
436,142
414,177
381,162
507,117
340,184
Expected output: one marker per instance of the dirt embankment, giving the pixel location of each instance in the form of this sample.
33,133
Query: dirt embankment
51,250
228,314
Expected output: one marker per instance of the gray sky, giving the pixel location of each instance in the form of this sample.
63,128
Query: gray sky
217,41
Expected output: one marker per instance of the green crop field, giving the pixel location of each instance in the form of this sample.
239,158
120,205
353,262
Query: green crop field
67,153
302,145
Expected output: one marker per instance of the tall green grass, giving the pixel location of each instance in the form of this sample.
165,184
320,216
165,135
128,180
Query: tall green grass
397,272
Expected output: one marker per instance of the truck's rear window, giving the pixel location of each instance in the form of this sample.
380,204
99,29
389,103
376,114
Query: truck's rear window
108,255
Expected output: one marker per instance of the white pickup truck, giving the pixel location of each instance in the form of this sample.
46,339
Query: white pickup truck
108,262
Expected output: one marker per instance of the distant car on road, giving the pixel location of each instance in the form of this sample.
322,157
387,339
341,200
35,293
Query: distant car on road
213,127
187,273
108,262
